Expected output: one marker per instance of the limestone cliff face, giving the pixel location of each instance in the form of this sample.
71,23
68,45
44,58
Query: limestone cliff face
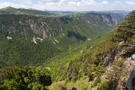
122,71
30,26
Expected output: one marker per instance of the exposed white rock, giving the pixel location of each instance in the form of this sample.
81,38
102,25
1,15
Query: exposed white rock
88,22
95,24
41,40
89,39
81,50
120,58
9,37
121,43
54,43
56,40
95,88
45,34
133,57
63,34
130,62
34,40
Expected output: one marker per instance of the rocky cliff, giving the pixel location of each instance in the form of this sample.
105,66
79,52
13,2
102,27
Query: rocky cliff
85,24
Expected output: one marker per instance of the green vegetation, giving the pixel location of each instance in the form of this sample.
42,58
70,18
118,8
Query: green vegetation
93,64
24,78
74,48
81,84
25,52
53,35
103,85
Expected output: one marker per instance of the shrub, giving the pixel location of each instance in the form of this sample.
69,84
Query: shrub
103,85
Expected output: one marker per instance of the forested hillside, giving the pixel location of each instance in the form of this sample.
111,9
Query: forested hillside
31,40
105,66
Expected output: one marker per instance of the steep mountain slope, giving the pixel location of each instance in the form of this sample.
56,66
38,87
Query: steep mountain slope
31,40
108,64
87,24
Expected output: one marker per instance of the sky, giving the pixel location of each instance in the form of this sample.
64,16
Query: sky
71,5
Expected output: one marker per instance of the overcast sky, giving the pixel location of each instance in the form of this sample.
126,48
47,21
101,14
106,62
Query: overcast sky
71,5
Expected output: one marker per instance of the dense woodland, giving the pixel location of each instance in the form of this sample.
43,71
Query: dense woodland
24,78
36,39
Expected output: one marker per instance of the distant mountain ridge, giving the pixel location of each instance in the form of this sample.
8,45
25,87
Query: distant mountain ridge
71,12
22,11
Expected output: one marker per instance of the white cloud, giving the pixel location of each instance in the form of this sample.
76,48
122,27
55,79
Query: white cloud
82,3
56,1
25,2
105,2
130,3
71,5
88,2
6,4
51,0
28,2
75,3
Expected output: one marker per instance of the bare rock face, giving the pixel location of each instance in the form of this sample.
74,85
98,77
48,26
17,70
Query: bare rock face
95,88
127,62
34,40
44,34
9,37
133,57
46,27
130,62
129,66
